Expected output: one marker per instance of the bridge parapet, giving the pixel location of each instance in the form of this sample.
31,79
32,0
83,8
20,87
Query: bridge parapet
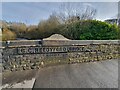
34,53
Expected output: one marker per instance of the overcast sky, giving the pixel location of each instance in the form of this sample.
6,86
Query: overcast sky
34,12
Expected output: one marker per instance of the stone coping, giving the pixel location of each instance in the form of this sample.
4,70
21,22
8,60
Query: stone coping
19,43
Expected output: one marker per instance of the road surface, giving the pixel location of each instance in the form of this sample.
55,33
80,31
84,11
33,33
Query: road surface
102,74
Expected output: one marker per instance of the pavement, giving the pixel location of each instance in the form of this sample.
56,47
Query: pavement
18,80
24,84
101,74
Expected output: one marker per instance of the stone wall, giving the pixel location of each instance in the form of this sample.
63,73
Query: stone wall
17,43
49,52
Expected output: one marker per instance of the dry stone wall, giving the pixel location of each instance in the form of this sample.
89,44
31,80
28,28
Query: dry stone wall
24,57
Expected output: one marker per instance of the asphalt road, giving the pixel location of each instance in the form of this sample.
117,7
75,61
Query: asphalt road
102,74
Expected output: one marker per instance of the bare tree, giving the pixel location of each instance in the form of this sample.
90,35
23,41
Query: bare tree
69,12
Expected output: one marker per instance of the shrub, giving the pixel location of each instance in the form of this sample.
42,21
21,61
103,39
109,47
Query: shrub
90,30
8,35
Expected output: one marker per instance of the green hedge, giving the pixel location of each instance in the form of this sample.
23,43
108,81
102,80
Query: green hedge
79,30
90,30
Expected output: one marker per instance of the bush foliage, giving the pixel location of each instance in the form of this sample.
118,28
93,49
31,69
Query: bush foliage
79,30
90,30
8,35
